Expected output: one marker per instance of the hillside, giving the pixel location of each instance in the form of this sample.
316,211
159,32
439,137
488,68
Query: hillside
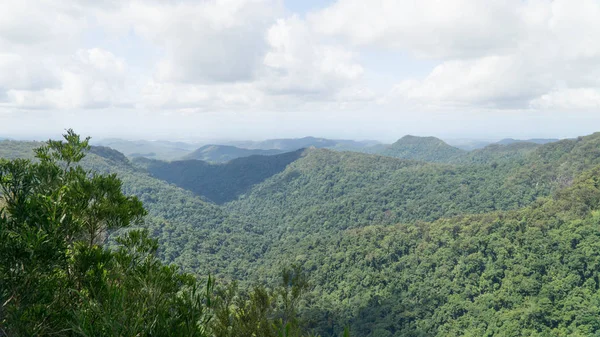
530,272
342,190
219,182
497,153
507,141
196,234
429,149
502,241
225,153
292,144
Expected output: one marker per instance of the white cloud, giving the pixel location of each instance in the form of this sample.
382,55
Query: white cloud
203,42
22,73
575,99
252,58
493,81
93,78
498,54
49,26
201,98
298,63
450,28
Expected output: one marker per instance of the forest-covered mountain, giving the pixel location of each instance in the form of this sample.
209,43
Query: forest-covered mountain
225,153
292,144
496,241
507,141
423,148
222,182
227,150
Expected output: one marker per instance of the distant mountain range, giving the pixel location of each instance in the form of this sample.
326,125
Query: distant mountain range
164,150
224,153
438,237
408,147
292,144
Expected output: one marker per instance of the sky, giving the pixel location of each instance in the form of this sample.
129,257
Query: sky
260,69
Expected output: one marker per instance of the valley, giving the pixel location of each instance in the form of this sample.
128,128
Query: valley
377,234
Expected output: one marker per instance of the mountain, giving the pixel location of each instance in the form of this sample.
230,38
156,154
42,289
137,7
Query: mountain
519,273
468,144
501,240
292,144
194,233
164,150
224,153
497,153
219,182
423,148
507,141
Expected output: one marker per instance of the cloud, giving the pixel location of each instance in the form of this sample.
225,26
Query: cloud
204,42
499,55
50,25
254,58
23,73
295,68
577,99
429,28
299,63
491,82
93,78
201,98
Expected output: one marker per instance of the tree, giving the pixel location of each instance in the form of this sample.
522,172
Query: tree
57,278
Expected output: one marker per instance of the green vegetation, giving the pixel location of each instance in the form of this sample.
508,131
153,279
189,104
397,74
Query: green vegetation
533,272
57,278
293,144
423,148
497,241
507,141
219,182
225,153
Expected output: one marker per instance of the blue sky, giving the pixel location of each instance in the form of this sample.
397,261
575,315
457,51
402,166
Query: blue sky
258,69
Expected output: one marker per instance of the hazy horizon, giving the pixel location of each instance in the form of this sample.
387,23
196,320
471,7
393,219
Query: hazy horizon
265,69
232,141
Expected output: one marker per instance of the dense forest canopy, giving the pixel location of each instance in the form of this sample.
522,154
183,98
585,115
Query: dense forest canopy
496,241
57,276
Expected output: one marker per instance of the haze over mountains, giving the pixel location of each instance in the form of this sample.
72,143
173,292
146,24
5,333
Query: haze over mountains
408,147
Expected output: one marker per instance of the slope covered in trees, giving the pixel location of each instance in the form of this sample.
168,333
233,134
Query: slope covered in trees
501,242
429,149
57,278
192,232
293,144
326,189
241,149
219,182
529,272
507,141
225,153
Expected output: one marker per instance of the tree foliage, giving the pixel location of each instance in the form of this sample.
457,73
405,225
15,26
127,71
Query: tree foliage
57,277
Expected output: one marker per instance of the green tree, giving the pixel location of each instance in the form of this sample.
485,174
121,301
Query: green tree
57,279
